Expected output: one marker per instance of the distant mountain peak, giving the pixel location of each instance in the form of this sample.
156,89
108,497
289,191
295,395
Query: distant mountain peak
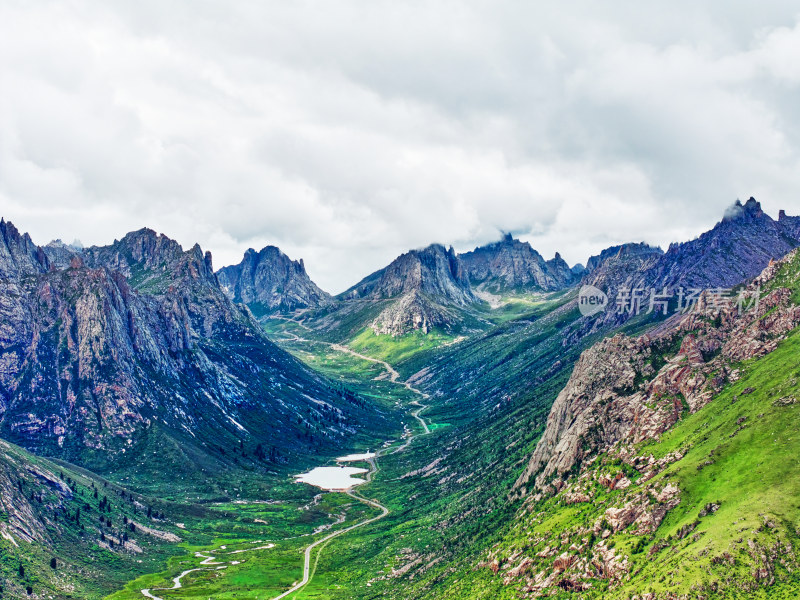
736,249
749,210
434,270
425,286
269,281
513,264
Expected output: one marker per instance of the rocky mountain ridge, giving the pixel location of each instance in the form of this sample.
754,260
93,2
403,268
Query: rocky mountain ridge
736,249
627,391
511,264
596,410
423,286
268,281
138,339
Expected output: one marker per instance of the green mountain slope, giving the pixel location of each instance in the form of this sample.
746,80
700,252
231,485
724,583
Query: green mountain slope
66,533
706,508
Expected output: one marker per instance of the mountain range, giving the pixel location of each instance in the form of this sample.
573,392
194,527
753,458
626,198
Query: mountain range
617,455
105,349
436,289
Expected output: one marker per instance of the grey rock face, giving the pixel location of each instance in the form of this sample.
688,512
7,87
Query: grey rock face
410,312
24,515
268,281
737,249
618,266
61,254
139,334
514,265
19,256
425,285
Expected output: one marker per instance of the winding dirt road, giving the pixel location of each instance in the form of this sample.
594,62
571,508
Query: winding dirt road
308,573
394,377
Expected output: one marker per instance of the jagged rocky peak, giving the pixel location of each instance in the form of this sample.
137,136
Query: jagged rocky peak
420,290
412,311
61,254
632,252
149,247
152,260
269,281
435,271
151,250
560,270
511,264
790,224
137,252
736,249
19,256
621,266
749,210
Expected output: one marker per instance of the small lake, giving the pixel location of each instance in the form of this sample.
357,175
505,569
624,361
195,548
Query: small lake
356,457
336,478
332,478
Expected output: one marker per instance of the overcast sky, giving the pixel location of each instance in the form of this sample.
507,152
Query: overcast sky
348,132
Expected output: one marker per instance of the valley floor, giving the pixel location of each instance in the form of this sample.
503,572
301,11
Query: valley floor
268,566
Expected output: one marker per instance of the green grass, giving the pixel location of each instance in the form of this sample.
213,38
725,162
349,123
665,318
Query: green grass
754,449
260,572
70,526
755,471
397,349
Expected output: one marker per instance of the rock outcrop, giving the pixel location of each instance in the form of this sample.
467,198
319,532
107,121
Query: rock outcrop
514,265
632,389
424,287
137,339
269,281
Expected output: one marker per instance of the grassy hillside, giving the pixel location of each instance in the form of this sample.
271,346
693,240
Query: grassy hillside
52,540
735,528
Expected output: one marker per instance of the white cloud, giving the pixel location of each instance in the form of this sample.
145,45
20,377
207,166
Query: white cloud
350,131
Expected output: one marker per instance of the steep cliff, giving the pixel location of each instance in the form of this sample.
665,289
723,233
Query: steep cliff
510,265
138,339
269,281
